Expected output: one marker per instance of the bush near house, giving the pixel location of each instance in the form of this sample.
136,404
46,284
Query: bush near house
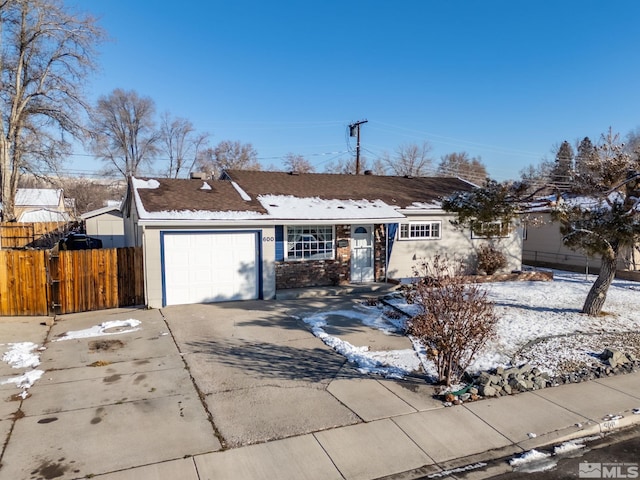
490,259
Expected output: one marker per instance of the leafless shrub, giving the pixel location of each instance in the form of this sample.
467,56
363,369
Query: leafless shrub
490,259
455,321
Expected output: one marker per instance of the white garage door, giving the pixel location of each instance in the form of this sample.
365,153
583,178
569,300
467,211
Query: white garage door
210,267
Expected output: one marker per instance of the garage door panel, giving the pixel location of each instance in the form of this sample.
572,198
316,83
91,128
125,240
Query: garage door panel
210,267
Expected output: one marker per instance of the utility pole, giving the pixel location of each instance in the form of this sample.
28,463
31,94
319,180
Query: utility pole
354,131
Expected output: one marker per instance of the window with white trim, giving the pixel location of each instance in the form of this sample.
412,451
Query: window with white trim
420,230
490,229
310,242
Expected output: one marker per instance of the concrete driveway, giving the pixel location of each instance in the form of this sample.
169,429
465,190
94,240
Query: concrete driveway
103,403
192,381
261,372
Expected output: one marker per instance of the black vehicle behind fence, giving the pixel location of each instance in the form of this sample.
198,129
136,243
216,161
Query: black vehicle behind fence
79,241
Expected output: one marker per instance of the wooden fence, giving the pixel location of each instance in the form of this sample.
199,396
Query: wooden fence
35,282
35,234
23,282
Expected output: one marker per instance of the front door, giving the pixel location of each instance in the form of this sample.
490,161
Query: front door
362,253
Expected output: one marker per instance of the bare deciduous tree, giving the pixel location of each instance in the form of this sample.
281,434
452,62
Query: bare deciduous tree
462,165
228,155
411,159
297,163
181,144
91,194
123,131
537,175
348,166
47,53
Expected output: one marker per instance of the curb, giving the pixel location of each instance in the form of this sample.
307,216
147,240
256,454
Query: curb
495,462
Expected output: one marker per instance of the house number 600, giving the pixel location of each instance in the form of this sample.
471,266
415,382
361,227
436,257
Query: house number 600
268,239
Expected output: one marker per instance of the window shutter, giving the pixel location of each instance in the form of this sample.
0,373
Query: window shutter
279,243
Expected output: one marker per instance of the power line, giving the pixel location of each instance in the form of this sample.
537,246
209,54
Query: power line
455,141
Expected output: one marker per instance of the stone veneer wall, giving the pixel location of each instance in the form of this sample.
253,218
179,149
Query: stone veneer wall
379,252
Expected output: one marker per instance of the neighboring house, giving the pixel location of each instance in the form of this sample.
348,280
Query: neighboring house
49,202
43,215
543,247
105,224
253,233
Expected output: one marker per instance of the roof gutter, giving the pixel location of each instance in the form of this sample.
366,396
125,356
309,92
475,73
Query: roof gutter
191,223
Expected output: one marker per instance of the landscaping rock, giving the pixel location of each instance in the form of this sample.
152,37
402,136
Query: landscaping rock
488,391
614,358
507,381
512,380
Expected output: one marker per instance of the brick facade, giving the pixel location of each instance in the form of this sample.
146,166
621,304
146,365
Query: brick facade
321,273
379,252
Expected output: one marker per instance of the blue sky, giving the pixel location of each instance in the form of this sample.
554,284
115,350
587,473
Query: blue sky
503,80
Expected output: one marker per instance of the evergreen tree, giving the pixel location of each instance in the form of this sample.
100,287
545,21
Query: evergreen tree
562,173
586,152
607,221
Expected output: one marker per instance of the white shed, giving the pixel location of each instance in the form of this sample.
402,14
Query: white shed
107,225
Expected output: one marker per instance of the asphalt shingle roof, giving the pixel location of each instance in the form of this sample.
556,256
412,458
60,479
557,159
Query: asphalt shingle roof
183,194
395,191
222,196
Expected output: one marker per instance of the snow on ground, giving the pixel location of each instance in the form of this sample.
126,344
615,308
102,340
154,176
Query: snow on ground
25,355
534,461
389,363
22,355
528,457
540,323
113,327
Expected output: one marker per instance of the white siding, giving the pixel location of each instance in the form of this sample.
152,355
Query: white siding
108,227
455,244
544,246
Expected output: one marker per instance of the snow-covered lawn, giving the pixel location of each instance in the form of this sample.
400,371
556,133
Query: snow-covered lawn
540,323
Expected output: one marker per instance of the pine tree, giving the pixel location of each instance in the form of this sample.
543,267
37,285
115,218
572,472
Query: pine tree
607,220
562,173
586,152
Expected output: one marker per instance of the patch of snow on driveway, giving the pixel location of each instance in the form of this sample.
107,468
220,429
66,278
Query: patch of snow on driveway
113,327
23,355
389,363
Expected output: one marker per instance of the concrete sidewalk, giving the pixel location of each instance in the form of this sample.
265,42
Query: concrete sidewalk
412,440
245,391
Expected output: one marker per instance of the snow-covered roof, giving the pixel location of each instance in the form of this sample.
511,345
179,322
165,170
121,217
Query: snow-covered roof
43,215
585,202
294,208
272,196
38,197
100,211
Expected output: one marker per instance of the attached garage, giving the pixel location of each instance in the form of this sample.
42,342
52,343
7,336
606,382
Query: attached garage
210,266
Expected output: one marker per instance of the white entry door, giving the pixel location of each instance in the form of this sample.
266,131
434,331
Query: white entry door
202,267
362,253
